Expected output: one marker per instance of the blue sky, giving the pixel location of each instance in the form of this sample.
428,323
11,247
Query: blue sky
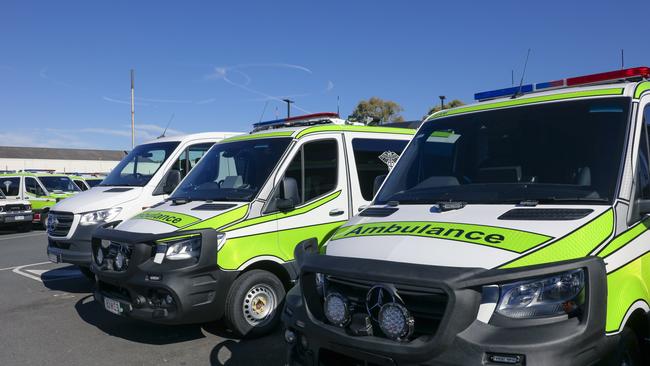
64,65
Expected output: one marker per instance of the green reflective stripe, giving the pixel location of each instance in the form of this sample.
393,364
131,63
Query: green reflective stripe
524,101
283,215
221,220
349,128
258,136
171,218
576,245
625,286
40,204
237,251
497,237
626,237
641,88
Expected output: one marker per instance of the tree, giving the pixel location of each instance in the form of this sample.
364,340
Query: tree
377,110
454,103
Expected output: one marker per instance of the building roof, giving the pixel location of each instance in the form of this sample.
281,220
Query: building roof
15,152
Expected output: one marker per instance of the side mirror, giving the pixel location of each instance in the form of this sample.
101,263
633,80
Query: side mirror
377,184
307,246
171,181
289,195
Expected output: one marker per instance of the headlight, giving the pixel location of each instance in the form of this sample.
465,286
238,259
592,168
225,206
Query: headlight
97,217
99,257
559,294
395,321
28,207
336,309
184,249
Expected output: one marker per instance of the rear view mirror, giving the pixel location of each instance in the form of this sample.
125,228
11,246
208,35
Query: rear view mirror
377,184
171,181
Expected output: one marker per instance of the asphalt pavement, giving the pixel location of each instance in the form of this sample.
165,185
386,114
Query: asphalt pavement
48,317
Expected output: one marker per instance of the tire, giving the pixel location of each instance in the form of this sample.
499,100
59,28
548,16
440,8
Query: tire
87,273
44,220
627,352
267,292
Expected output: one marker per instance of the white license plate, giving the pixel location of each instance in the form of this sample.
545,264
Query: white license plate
53,258
112,306
18,218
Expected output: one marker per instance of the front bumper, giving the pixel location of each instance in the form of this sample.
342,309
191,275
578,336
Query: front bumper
74,250
12,218
460,339
196,288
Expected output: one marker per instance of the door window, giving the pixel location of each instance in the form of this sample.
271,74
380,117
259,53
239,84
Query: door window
10,186
373,158
32,187
188,158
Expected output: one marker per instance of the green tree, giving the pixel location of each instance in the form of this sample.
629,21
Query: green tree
377,111
454,103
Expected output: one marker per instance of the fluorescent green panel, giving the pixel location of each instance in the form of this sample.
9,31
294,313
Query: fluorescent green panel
641,88
221,220
171,218
498,237
625,286
258,136
351,128
575,245
626,237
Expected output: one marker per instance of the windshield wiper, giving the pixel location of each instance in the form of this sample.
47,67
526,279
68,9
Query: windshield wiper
571,199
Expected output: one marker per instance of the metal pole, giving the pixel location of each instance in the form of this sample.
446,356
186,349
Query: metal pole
132,109
288,101
442,102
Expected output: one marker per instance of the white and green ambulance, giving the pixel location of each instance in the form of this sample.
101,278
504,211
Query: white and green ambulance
143,178
222,245
513,231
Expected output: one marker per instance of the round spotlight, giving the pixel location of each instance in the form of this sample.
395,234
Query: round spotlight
395,321
119,260
169,299
99,257
289,336
336,309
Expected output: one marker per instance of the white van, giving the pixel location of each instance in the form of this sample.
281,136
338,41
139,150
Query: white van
146,176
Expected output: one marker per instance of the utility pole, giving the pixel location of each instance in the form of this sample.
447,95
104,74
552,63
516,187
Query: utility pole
132,109
442,102
289,102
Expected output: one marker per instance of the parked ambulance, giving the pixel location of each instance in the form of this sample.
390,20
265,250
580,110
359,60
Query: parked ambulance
222,245
43,189
146,176
513,231
15,213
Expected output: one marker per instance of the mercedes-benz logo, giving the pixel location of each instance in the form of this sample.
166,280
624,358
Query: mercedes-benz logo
377,296
52,223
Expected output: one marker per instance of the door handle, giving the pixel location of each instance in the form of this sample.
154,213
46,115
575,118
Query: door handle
336,212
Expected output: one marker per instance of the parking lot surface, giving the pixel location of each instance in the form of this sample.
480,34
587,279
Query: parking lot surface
48,317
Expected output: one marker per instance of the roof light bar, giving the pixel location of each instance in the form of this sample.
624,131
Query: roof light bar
296,119
612,76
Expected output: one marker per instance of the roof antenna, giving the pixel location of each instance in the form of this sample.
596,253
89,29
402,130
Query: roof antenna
521,82
622,58
166,127
264,110
338,105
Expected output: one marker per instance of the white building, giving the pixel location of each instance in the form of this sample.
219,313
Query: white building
60,160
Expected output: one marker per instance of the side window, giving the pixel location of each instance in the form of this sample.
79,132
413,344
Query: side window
372,158
642,178
10,186
320,168
81,185
315,169
196,152
32,186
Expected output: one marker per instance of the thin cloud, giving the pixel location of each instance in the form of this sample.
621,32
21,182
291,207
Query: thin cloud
153,100
45,76
119,101
330,86
206,101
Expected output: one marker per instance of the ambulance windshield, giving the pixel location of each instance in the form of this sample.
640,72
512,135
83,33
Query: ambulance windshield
233,171
564,152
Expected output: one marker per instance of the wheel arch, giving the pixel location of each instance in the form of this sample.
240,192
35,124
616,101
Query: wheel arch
274,265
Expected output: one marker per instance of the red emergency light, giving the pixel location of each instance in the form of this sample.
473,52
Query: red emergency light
635,72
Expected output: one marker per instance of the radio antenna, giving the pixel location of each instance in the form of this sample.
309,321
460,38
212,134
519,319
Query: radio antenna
264,110
166,127
622,58
338,105
523,74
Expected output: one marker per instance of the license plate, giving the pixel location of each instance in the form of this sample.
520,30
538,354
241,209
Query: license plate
19,218
113,306
54,258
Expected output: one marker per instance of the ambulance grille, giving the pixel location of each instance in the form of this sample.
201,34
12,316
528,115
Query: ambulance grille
62,222
545,214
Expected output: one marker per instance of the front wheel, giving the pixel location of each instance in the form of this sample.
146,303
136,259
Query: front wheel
253,303
627,352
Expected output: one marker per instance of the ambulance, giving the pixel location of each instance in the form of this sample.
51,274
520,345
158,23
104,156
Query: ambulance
15,213
43,189
221,246
513,231
145,177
